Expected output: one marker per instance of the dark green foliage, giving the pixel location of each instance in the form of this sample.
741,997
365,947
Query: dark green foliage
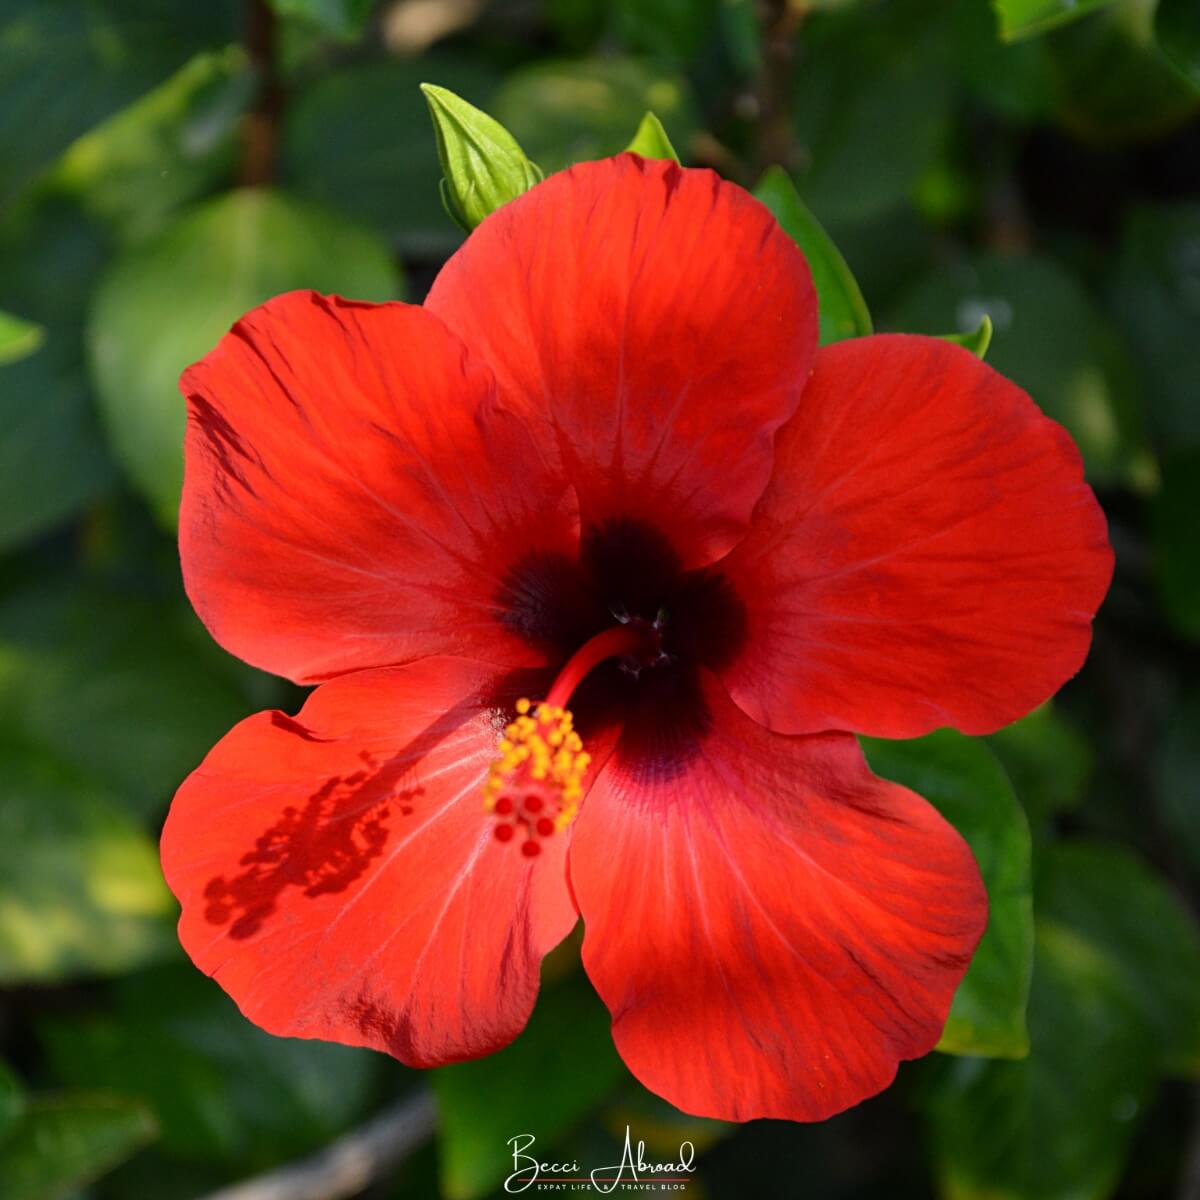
1034,162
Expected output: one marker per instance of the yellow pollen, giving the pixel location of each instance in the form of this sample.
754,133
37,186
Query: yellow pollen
539,769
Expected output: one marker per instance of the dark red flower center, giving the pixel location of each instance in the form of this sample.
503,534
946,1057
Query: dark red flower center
630,628
626,570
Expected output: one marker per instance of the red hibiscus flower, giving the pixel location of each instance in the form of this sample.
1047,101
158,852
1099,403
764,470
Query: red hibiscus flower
605,469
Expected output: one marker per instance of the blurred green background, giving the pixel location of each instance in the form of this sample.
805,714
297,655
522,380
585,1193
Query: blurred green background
166,165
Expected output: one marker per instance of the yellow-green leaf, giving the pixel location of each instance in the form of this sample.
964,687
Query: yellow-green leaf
651,140
840,305
483,167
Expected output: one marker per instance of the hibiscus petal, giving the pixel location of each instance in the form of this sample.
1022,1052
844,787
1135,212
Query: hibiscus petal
354,494
340,878
772,927
658,322
927,552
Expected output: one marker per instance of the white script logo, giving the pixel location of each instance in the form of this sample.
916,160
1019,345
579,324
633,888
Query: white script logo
633,1168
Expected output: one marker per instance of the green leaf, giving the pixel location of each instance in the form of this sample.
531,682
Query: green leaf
357,140
482,165
1048,760
576,24
977,341
53,460
1011,77
1177,777
840,305
340,18
1176,555
1156,295
1115,1002
1106,895
65,66
739,27
1051,339
124,689
220,1088
18,338
661,1125
562,1066
204,271
12,1100
872,108
961,778
80,888
1027,18
569,111
1177,28
1112,82
669,29
1059,1122
63,1143
651,140
176,142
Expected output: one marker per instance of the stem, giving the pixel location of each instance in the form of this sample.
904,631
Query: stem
1189,1178
351,1163
779,21
260,129
620,640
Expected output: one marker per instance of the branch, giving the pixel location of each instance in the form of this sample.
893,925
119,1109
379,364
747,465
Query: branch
260,130
1189,1179
779,22
350,1164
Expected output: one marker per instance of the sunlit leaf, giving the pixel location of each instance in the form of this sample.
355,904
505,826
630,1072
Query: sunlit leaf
565,112
62,1143
963,780
165,303
18,338
66,65
977,341
166,149
840,305
651,140
562,1066
482,165
81,892
1026,18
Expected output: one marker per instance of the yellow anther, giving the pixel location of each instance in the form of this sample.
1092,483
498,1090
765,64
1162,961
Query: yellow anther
540,756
